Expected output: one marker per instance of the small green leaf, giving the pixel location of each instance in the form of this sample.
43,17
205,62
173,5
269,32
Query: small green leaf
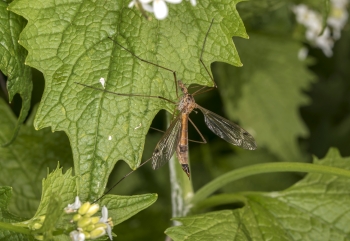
315,208
12,63
121,208
57,184
24,163
53,214
69,42
267,93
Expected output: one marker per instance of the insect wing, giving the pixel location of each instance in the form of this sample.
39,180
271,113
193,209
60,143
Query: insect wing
167,144
228,130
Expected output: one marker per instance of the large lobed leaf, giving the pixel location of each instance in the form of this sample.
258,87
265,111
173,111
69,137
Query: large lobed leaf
69,42
315,208
19,76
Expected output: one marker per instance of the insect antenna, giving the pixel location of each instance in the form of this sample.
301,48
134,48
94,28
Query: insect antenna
120,94
148,62
201,58
120,180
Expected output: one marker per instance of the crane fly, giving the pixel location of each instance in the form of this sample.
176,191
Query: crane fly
176,136
175,139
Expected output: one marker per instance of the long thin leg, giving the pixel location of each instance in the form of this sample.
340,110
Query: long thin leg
148,62
120,94
203,139
201,91
121,180
201,59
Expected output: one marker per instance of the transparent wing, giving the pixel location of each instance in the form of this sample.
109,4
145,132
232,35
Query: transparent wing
167,144
228,130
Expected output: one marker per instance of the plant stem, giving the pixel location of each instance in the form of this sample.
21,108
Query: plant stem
13,228
234,175
181,187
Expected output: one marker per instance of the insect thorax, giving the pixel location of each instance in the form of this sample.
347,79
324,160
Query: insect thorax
186,104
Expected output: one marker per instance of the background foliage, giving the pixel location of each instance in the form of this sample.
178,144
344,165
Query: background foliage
294,108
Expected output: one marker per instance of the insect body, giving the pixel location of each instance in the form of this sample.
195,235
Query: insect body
176,136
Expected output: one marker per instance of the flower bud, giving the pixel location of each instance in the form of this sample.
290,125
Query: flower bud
95,220
84,208
83,222
90,227
76,217
39,237
93,209
98,232
87,235
101,225
36,226
41,218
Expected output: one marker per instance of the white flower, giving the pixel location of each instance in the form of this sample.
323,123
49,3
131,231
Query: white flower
313,23
77,236
72,208
159,7
325,42
302,54
106,220
144,5
338,17
193,2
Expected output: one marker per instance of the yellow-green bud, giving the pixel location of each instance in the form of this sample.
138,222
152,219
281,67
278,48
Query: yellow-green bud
101,225
84,208
39,237
89,228
83,222
98,232
87,235
95,220
37,226
41,218
93,209
76,217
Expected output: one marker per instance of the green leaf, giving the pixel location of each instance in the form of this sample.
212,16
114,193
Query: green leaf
315,208
265,95
53,213
121,208
69,42
7,217
24,163
12,63
56,185
212,226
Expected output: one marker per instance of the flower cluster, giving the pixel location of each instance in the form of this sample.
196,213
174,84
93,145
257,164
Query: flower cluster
312,20
89,226
158,7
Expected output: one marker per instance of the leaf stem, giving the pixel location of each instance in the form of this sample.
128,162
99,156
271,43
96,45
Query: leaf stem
234,175
13,228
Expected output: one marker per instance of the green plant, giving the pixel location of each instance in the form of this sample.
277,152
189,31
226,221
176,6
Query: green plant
71,42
